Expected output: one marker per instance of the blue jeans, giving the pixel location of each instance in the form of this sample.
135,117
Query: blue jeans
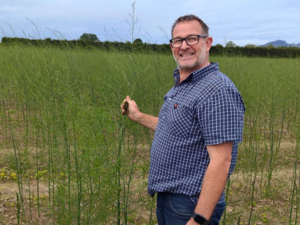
177,209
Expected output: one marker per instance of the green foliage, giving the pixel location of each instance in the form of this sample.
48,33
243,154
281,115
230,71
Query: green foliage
250,46
265,52
219,46
270,46
65,107
89,37
230,44
60,112
138,41
217,50
107,45
138,46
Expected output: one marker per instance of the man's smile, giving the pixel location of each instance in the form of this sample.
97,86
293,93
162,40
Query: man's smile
186,54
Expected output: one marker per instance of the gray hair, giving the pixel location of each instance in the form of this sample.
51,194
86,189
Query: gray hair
191,17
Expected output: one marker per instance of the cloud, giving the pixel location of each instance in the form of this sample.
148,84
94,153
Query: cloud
240,21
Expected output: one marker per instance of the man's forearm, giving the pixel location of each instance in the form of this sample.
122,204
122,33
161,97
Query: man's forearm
147,121
213,185
212,188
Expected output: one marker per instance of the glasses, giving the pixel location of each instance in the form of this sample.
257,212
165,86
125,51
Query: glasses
190,40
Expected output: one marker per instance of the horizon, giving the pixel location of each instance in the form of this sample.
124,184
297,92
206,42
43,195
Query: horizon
264,45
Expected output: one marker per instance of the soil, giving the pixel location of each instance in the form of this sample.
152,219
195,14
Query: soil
266,208
9,208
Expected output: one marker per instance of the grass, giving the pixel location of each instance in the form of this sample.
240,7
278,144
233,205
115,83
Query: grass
62,133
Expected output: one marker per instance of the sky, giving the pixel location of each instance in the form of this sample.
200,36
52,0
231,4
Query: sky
241,21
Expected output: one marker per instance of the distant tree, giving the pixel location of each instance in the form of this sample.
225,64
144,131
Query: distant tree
89,37
217,49
270,46
138,40
230,44
219,46
250,46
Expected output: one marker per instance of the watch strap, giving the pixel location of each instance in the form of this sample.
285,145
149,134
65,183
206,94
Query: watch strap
200,219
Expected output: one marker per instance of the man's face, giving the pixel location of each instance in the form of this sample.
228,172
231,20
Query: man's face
191,58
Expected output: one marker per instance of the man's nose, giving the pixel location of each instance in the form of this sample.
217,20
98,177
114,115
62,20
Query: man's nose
184,44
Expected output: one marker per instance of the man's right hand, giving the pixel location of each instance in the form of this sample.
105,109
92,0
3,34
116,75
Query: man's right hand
130,108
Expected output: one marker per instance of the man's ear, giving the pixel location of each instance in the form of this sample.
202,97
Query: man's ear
209,41
171,46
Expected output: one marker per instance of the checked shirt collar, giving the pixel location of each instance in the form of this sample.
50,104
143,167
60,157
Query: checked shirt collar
197,74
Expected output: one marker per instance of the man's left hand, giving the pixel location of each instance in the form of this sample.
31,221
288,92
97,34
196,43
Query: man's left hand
192,222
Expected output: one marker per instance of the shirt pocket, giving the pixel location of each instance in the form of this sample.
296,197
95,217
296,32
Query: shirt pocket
180,120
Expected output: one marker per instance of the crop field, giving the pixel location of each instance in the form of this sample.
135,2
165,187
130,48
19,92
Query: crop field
68,156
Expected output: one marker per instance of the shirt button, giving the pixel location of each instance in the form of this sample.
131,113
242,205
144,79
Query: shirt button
169,99
163,117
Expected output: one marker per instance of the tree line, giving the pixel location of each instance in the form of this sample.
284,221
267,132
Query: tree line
92,42
88,44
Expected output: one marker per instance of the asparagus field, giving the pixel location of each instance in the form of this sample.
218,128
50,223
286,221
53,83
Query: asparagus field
68,156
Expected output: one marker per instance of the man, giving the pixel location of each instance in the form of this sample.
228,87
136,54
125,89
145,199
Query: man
196,134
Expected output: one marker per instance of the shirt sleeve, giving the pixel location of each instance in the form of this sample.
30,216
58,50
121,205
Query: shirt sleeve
221,116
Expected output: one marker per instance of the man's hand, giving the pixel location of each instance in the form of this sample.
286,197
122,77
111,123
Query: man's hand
192,222
130,108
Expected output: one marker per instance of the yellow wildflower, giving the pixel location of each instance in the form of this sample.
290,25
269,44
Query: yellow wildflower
14,176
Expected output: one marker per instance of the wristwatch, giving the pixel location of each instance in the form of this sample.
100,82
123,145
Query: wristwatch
200,219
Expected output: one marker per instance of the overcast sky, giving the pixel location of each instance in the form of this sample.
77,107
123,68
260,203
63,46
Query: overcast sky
241,21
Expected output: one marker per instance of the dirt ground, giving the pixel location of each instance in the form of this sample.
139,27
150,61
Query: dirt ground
9,208
271,207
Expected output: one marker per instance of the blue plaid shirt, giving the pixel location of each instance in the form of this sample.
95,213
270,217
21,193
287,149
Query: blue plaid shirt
204,109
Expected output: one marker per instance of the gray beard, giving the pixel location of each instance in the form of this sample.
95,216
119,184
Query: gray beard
191,66
187,67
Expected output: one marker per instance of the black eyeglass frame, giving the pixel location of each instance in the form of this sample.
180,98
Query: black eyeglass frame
185,39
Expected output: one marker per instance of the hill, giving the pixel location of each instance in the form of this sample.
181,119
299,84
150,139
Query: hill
280,43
